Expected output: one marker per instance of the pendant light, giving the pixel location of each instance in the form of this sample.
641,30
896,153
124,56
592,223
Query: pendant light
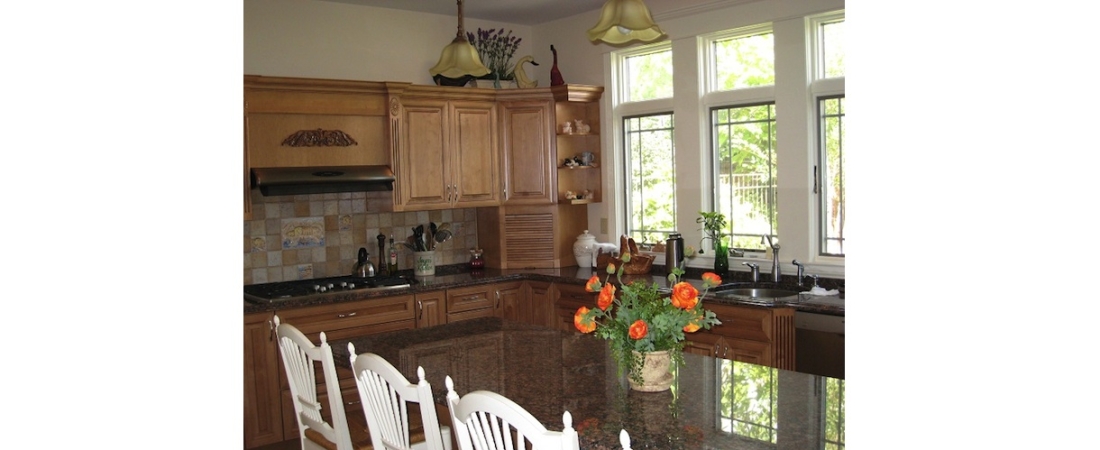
459,58
622,21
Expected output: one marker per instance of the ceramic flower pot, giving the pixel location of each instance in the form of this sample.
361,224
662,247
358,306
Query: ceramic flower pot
656,374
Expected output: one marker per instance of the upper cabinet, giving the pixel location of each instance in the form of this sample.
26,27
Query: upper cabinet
446,152
528,156
278,110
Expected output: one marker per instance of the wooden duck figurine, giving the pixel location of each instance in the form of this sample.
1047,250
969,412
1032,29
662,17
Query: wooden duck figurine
555,74
521,76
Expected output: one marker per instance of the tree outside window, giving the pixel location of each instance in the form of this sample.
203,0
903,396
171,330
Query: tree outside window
651,177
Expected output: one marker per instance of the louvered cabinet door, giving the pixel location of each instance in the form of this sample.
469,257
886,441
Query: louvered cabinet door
530,237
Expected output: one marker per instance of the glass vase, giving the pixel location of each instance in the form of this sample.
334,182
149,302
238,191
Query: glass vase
721,257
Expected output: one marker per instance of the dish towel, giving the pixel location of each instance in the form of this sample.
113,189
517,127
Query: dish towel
818,290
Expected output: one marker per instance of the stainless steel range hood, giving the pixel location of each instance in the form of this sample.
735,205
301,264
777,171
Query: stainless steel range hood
321,179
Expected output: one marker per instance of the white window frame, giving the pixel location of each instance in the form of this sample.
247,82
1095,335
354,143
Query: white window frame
821,87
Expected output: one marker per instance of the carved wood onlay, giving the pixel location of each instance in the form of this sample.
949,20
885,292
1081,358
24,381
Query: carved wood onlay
395,106
319,138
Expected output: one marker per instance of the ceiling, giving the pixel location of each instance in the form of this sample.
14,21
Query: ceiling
522,12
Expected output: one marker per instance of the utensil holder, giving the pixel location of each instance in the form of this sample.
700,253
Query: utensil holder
424,263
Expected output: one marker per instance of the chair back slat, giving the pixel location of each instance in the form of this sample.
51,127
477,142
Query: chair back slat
385,393
485,420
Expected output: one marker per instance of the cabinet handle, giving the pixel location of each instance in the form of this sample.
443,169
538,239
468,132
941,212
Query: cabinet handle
498,299
271,331
346,315
420,306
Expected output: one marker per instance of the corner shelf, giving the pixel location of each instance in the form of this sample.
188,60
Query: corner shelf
572,102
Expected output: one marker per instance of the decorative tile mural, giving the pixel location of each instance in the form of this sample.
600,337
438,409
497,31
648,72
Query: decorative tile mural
303,232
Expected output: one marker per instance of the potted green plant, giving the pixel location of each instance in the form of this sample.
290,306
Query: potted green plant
495,48
645,327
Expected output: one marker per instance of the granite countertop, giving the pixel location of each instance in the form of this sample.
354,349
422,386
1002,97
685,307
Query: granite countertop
456,276
548,372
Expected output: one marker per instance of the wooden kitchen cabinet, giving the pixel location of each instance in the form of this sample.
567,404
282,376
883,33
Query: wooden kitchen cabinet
528,155
431,309
262,408
530,237
528,302
567,299
447,154
763,336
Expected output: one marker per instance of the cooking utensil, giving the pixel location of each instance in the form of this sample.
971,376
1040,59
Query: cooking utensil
431,240
443,236
364,268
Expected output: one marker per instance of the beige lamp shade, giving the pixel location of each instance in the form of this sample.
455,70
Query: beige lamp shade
622,21
459,57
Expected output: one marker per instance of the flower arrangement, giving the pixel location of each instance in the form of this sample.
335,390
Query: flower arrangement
642,319
495,48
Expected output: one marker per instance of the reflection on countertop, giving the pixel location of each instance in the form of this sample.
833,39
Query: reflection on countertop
714,402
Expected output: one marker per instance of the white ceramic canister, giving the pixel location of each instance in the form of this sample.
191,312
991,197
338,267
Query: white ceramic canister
582,249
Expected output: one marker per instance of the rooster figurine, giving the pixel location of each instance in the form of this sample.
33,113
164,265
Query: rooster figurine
555,74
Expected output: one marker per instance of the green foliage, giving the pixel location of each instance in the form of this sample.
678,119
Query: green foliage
644,301
714,223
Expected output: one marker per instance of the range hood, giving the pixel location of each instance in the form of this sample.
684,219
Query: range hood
321,179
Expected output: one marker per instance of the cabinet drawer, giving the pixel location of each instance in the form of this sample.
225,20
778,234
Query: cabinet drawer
312,320
470,298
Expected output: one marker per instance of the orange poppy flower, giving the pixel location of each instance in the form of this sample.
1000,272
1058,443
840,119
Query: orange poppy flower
593,284
638,329
684,295
711,279
607,295
579,321
693,326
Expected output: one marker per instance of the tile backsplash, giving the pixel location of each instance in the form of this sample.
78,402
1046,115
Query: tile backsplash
296,237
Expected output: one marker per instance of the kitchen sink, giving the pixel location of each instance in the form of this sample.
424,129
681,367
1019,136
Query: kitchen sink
758,290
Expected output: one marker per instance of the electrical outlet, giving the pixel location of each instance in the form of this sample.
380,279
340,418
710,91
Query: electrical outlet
603,225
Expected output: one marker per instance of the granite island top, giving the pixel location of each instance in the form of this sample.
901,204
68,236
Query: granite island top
714,403
456,276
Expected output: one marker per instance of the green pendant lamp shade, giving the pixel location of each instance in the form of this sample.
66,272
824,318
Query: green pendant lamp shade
459,58
622,21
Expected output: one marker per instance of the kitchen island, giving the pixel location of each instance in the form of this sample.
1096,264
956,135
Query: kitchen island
713,403
760,332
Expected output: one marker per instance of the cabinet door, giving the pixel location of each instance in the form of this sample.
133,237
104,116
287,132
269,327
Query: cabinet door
514,303
421,161
262,411
471,302
528,155
473,159
430,309
541,304
569,297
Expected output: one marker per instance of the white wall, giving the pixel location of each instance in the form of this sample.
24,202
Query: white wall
316,39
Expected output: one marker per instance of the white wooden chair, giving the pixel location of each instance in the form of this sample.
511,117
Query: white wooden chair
624,439
300,357
385,394
485,420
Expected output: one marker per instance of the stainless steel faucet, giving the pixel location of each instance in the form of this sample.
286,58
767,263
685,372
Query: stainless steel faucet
775,258
801,270
755,269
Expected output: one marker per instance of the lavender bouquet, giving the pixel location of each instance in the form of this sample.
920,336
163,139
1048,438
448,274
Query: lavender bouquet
495,48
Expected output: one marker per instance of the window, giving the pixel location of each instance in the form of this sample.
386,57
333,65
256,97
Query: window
648,75
745,172
828,89
651,177
743,60
831,112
